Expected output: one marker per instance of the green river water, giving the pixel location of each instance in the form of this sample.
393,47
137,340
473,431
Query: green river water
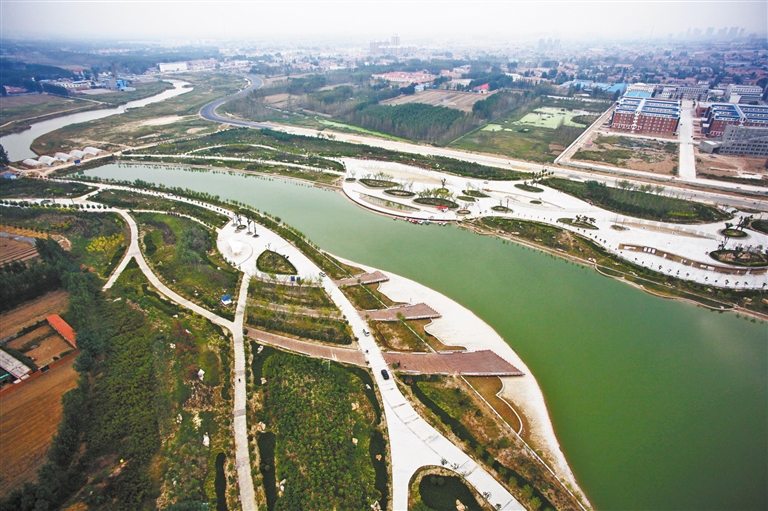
657,404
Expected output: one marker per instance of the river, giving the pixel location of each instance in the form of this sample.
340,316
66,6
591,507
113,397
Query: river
658,404
17,144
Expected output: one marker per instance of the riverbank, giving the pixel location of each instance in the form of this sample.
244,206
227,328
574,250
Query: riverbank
459,326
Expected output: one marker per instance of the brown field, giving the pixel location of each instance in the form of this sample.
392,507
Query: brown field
730,165
33,337
12,250
452,99
30,99
50,347
32,311
29,417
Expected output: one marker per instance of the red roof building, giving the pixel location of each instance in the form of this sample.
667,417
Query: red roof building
63,328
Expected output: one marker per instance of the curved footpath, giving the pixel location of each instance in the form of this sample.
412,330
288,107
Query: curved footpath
413,442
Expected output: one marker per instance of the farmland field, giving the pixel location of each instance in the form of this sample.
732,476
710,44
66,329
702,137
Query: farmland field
16,108
31,414
537,132
451,99
32,311
13,250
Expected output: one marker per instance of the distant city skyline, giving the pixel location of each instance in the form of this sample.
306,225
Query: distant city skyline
374,20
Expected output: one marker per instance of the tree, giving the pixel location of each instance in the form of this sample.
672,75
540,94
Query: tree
3,157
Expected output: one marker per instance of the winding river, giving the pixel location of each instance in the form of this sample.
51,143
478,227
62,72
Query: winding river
17,144
658,404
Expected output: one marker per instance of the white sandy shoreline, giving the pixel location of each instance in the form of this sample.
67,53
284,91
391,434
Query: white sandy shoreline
461,327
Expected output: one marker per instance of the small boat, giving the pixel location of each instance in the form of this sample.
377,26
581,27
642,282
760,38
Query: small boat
427,222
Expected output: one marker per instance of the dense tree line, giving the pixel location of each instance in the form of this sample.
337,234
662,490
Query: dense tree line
415,121
111,411
20,281
28,76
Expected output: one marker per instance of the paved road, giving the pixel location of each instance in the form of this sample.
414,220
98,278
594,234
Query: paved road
687,161
209,111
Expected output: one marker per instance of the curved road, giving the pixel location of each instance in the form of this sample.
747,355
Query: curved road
208,112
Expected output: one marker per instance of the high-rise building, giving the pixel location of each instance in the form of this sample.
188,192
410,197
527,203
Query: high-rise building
710,31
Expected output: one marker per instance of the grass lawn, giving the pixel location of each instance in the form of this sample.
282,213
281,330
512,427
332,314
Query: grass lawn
182,253
549,117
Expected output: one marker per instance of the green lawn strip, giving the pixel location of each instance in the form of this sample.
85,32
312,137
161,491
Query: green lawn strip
448,407
377,183
529,188
262,168
740,258
182,252
573,244
128,199
364,298
273,263
325,148
436,201
349,127
308,405
36,188
310,297
255,152
476,193
639,204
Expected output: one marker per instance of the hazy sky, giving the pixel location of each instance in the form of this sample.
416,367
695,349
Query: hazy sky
413,20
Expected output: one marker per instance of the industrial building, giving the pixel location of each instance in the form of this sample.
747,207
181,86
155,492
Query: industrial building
645,115
719,115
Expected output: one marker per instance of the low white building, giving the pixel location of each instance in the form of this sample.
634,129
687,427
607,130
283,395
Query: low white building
172,67
65,157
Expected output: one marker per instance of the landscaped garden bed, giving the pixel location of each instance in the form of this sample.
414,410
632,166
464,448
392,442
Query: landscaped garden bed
274,263
466,198
577,223
529,188
733,233
501,209
378,183
741,257
436,201
475,193
399,193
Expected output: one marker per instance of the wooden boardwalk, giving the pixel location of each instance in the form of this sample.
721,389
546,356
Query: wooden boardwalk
467,363
418,311
311,349
365,278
